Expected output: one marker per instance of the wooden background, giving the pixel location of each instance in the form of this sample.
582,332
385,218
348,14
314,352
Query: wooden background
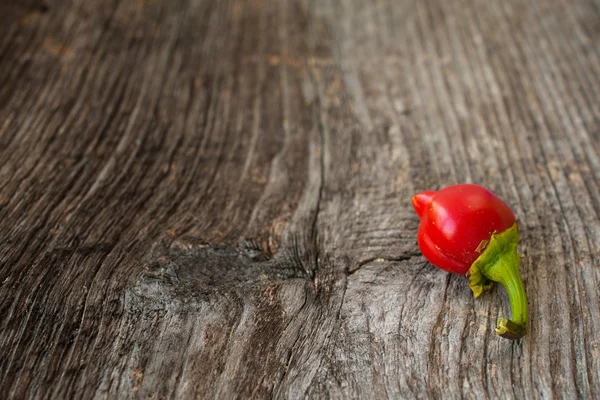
211,198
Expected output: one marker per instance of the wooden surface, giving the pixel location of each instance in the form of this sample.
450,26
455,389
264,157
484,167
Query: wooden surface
211,199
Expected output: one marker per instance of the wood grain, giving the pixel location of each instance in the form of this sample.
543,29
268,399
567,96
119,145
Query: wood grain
211,199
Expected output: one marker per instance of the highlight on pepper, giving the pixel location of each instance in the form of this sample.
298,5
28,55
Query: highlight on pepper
466,229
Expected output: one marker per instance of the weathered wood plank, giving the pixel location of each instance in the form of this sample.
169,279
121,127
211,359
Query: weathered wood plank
212,198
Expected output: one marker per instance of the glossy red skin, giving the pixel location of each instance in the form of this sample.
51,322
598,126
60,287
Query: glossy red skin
455,221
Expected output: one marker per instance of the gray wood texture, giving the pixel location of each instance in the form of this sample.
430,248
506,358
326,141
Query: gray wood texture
211,198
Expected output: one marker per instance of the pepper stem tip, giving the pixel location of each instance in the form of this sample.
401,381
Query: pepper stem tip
510,330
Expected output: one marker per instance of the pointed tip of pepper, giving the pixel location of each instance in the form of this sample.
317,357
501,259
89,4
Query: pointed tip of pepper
422,200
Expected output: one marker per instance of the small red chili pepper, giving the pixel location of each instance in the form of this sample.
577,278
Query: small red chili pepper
466,229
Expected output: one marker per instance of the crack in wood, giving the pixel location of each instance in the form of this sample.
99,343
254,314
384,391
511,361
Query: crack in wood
404,257
314,225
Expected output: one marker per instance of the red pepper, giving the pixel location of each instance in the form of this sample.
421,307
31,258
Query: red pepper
466,229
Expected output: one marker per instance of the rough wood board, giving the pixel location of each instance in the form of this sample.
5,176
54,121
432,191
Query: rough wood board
211,199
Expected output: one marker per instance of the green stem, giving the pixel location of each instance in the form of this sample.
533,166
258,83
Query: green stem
500,263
